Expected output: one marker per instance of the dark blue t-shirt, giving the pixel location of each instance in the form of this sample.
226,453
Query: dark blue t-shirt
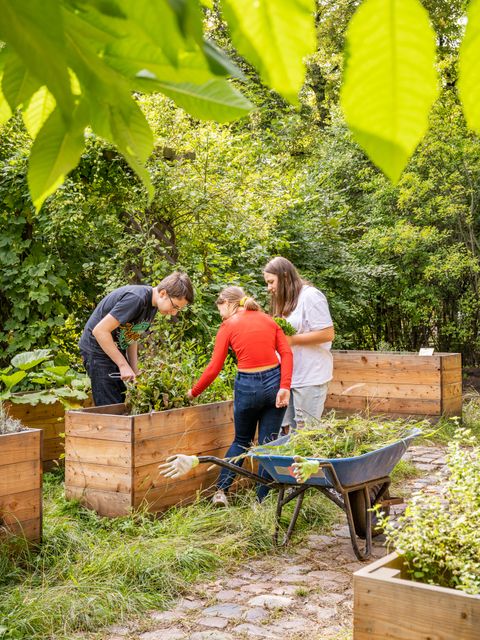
132,307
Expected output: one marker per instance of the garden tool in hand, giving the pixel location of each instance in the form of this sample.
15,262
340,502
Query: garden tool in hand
178,465
304,468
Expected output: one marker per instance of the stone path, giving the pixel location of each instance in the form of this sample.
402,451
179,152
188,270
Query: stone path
305,592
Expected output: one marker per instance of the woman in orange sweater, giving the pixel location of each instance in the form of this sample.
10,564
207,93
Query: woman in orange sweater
262,384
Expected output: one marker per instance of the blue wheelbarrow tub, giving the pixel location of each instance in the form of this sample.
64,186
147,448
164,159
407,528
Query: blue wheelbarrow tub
350,471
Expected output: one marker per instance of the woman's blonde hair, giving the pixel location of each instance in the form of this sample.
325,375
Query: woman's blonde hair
237,298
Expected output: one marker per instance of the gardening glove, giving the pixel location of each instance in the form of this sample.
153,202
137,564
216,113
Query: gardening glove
303,468
178,465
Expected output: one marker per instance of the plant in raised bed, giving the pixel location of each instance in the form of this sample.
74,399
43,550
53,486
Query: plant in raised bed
437,536
33,377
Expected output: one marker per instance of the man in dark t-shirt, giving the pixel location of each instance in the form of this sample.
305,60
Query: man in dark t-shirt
110,338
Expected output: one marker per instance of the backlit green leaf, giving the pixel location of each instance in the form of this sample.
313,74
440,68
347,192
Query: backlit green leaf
55,152
469,70
215,100
29,359
11,380
37,111
18,84
390,82
275,36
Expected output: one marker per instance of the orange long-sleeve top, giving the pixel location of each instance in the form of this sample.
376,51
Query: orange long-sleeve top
256,340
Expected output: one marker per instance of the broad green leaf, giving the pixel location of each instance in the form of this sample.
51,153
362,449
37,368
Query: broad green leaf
34,30
390,82
11,380
55,151
468,67
133,137
215,100
37,111
5,111
219,63
18,84
29,359
275,36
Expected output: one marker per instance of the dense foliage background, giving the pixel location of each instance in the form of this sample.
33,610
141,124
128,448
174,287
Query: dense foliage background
399,265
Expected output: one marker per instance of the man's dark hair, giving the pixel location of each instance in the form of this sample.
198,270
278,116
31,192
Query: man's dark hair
177,285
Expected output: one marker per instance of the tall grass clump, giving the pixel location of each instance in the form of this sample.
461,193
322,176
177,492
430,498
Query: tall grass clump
91,571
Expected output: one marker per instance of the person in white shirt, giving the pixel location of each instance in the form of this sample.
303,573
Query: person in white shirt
306,309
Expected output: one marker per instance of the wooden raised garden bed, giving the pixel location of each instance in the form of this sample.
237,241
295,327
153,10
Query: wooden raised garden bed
21,484
50,418
111,459
396,383
387,604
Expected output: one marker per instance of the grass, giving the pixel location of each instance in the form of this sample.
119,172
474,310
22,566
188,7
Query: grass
92,571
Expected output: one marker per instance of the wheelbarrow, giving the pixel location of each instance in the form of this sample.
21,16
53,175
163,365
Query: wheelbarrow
354,484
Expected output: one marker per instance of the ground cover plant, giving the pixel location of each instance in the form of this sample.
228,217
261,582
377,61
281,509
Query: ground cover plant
33,377
91,571
438,535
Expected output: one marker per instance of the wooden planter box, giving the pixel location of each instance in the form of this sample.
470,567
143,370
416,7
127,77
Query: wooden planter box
387,604
111,459
50,418
21,484
396,383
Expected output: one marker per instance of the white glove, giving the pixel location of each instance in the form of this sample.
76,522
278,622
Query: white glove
303,468
178,465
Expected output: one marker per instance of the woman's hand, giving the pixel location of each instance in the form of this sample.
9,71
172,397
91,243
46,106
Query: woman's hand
283,398
190,394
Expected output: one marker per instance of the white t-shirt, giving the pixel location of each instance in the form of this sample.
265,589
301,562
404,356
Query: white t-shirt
312,363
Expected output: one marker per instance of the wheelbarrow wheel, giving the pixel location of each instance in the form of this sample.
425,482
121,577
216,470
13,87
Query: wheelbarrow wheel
359,511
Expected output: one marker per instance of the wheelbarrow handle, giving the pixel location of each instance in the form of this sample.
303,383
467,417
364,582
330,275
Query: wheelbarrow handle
238,470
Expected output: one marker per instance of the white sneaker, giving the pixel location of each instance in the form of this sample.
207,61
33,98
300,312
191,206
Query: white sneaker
219,499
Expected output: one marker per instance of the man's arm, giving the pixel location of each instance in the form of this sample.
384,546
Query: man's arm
132,356
103,335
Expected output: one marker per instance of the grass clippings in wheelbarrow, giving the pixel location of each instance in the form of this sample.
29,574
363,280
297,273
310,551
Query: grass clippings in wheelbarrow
342,437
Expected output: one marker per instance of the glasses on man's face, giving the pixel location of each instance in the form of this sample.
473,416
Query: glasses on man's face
174,306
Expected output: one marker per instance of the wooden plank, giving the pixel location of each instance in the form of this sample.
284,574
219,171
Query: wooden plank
189,443
53,448
105,503
98,476
19,447
360,373
452,375
30,529
388,606
452,390
404,406
163,423
452,407
380,359
452,361
20,476
176,492
36,414
149,476
88,424
106,452
26,505
110,409
372,391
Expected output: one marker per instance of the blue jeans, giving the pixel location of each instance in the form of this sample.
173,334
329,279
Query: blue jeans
105,390
254,403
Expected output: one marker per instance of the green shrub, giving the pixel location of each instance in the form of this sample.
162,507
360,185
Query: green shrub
438,535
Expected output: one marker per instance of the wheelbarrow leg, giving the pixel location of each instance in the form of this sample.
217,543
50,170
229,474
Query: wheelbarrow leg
365,553
298,493
293,521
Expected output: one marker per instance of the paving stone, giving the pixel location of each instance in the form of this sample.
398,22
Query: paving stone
218,623
119,630
291,578
234,583
210,635
260,587
255,614
323,578
165,616
229,610
250,630
286,590
270,601
190,605
229,595
291,624
164,634
297,568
